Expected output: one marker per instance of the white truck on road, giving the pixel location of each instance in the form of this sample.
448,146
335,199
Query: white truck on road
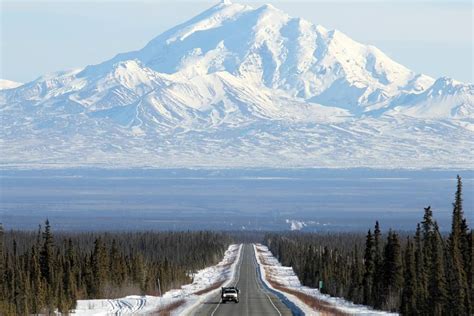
230,294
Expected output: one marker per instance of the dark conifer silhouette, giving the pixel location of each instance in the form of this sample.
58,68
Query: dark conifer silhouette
50,273
428,274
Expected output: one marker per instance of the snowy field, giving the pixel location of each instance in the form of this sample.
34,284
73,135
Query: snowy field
178,302
287,277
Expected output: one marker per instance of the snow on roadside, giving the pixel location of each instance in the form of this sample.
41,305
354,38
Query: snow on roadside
224,271
184,298
287,278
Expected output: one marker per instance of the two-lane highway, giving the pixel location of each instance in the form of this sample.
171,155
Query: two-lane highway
255,300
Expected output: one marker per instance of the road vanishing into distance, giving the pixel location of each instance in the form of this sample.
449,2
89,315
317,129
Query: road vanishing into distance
255,299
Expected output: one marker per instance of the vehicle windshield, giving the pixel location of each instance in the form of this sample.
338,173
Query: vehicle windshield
229,291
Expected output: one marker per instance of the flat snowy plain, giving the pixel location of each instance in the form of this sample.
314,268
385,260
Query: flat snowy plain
313,200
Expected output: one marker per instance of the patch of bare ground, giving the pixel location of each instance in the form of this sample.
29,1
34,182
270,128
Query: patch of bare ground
210,288
233,257
167,309
218,284
227,264
324,308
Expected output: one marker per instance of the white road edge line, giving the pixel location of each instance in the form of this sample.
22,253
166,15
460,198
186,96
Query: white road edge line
240,265
263,290
238,275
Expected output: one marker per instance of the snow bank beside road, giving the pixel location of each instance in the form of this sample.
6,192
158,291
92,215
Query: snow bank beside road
177,302
274,273
223,273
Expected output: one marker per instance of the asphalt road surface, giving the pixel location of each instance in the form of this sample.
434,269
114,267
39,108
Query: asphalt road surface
255,300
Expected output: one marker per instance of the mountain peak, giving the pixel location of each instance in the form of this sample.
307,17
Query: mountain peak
449,86
446,81
275,13
269,6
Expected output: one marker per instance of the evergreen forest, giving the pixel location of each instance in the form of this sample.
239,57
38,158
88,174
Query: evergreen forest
425,273
45,272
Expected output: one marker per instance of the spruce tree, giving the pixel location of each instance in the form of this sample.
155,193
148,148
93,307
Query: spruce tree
465,244
355,290
369,269
3,289
37,284
46,255
139,272
427,223
69,282
47,267
2,264
421,274
427,228
117,266
437,292
410,291
377,286
69,287
100,266
457,279
393,272
470,279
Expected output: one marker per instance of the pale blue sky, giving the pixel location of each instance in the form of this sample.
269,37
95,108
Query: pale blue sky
38,37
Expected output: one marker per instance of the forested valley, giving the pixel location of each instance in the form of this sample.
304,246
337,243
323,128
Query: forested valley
425,273
45,271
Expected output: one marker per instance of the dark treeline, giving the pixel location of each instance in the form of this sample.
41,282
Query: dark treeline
43,272
424,274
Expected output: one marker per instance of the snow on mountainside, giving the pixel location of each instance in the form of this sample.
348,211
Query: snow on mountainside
238,86
446,98
266,47
8,84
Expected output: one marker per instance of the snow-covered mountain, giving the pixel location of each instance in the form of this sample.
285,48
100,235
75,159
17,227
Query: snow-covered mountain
446,98
8,84
238,86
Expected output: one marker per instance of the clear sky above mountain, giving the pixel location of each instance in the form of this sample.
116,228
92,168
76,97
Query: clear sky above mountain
432,37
